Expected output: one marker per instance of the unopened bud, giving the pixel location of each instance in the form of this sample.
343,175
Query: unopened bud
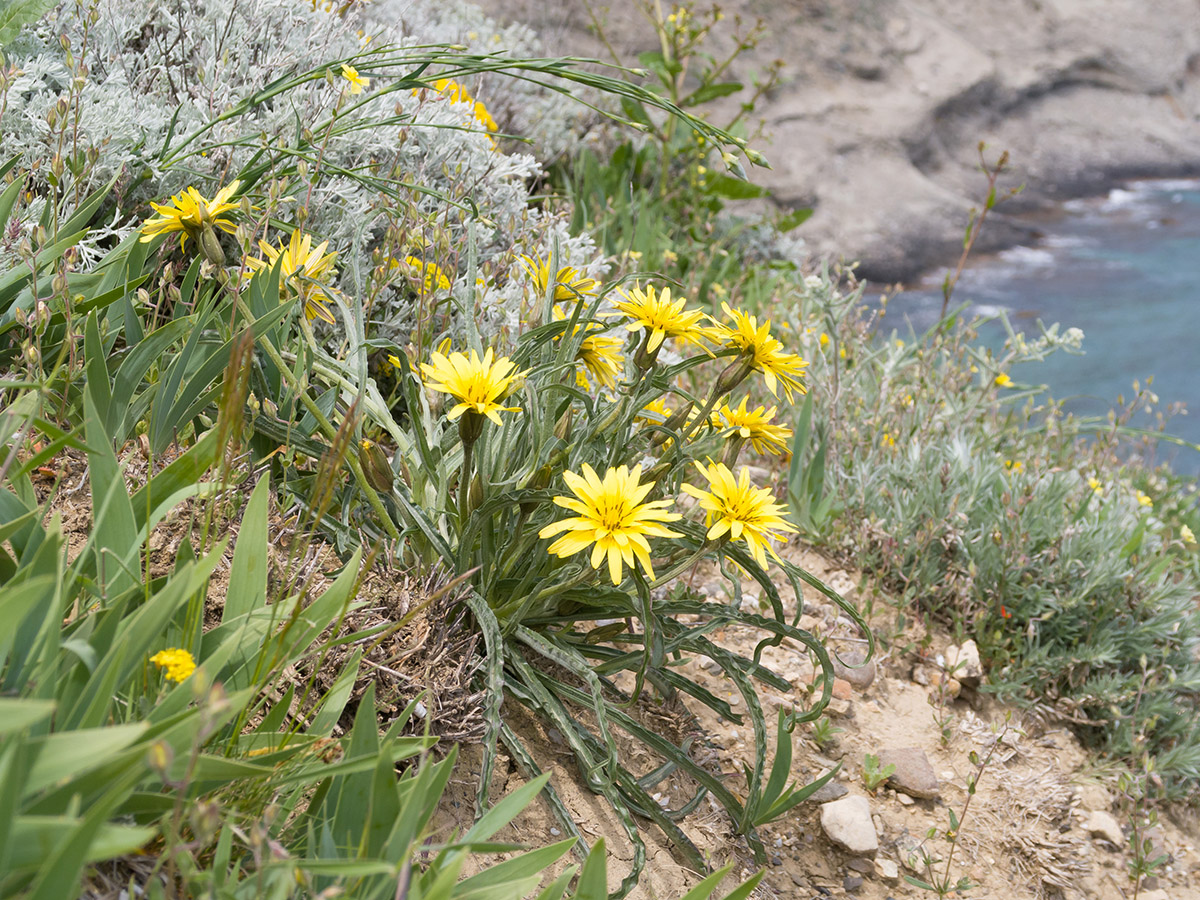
562,430
41,316
475,495
674,422
210,246
376,466
159,758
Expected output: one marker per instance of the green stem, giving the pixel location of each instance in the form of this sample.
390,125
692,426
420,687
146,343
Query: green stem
323,423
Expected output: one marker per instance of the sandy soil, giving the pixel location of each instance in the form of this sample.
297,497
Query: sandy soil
1024,834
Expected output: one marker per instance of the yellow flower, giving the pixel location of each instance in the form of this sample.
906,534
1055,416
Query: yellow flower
1002,380
764,353
357,82
428,273
1143,500
477,384
303,272
1187,536
663,318
658,410
569,283
610,518
1014,465
395,362
1096,486
456,93
887,440
600,355
189,212
753,425
737,508
178,663
824,339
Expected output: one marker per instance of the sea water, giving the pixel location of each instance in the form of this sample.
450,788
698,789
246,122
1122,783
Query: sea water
1123,268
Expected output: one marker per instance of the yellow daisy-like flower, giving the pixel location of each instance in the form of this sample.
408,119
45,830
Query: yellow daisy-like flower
357,82
764,353
188,212
178,664
456,93
429,274
1144,500
478,385
611,519
737,508
1002,380
662,317
753,425
600,355
569,283
304,272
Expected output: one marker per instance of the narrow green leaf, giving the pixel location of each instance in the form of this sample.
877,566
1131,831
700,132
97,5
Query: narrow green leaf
248,574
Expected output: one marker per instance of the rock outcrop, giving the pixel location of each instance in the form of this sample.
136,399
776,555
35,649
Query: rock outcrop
883,103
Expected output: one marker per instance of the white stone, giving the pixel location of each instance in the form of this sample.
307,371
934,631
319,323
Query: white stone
887,870
1101,824
848,823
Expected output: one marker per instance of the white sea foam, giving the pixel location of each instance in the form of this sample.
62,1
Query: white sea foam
1027,257
1165,185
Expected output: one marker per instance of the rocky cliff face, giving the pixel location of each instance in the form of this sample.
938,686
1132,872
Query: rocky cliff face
883,103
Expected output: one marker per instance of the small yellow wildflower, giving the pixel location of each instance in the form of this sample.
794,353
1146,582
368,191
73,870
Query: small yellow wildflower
1187,536
177,663
188,213
610,518
1096,486
456,93
304,271
887,440
737,508
823,339
1143,500
662,317
428,274
1014,465
569,283
477,384
357,82
753,425
1002,380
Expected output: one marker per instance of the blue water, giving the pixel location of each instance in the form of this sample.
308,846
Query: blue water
1125,269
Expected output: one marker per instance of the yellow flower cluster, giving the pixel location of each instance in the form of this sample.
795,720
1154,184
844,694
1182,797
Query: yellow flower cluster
177,664
456,93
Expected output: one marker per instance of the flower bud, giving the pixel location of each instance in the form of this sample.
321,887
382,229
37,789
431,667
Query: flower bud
376,466
210,246
562,430
475,494
159,758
